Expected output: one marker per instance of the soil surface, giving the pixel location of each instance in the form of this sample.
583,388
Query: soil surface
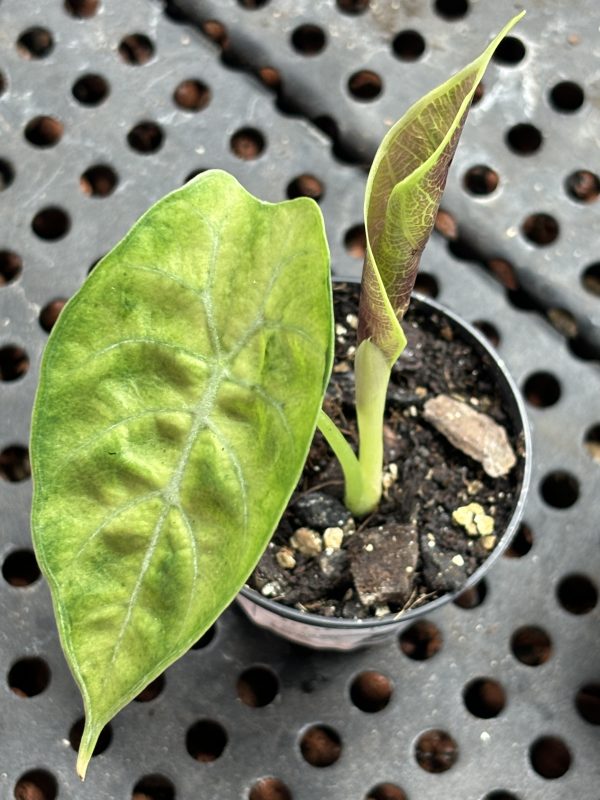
410,550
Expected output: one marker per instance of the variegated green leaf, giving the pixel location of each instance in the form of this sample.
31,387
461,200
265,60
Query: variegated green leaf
178,397
404,188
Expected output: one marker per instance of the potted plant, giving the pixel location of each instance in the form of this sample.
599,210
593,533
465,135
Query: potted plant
181,388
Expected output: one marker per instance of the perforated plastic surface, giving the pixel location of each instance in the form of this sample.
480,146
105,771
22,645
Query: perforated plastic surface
549,678
535,129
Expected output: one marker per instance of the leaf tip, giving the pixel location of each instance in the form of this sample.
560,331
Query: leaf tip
86,748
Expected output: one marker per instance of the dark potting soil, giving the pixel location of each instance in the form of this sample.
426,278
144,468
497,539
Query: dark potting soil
324,561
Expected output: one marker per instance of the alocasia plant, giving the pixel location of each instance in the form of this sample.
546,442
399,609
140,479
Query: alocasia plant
181,388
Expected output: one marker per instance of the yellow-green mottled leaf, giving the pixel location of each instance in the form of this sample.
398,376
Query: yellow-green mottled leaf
403,193
178,397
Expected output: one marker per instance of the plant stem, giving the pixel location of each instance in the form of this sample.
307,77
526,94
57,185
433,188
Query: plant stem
372,375
345,455
362,475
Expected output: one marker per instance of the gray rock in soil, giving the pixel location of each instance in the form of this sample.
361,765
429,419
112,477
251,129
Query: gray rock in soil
383,562
443,569
472,432
318,511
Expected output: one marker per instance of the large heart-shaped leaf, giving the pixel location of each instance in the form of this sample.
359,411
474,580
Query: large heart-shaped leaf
178,397
402,197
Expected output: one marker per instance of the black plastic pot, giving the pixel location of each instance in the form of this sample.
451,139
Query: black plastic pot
326,633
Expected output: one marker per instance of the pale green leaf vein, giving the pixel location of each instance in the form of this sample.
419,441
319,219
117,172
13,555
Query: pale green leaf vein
115,425
258,390
150,340
111,517
237,468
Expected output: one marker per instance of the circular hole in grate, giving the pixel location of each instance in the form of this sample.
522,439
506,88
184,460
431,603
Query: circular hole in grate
270,76
257,687
90,90
519,298
473,597
98,181
355,241
50,313
452,9
408,45
583,185
247,143
490,331
567,97
365,85
35,42
481,180
82,9
94,264
590,279
305,186
463,250
352,6
426,284
194,174
146,137
136,49
484,698
102,744
11,266
29,677
252,5
540,229
581,348
20,568
478,94
504,271
7,174
510,51
153,787
14,362
269,789
37,784
321,746
14,464
564,322
560,489
577,594
2,84
51,223
152,691
550,757
386,791
587,702
192,95
445,224
421,641
500,794
542,389
436,751
521,544
371,691
531,645
308,40
206,740
205,639
215,31
524,139
592,442
44,131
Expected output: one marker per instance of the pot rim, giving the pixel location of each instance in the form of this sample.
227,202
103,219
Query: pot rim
308,618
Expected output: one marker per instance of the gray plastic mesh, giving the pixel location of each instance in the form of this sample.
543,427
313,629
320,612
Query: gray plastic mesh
150,738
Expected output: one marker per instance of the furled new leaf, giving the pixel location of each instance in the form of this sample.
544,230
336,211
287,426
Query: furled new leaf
178,397
403,192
